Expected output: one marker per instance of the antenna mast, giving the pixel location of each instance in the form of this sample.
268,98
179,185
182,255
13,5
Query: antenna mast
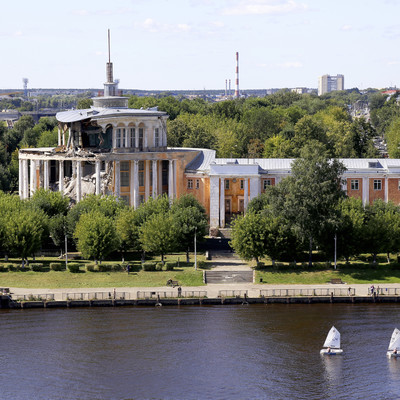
109,47
109,64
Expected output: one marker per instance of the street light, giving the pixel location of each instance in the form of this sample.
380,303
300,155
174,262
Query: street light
195,250
335,248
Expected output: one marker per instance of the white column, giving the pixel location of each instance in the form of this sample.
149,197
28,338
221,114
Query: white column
222,204
246,193
160,182
33,177
154,183
20,178
98,181
277,180
365,191
254,187
146,179
171,192
132,183
214,201
59,136
61,176
136,137
25,184
386,190
78,188
46,174
136,184
63,136
117,182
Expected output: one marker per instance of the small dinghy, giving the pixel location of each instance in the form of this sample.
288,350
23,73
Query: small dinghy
332,343
394,345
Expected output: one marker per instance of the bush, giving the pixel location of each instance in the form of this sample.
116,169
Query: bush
37,267
12,267
91,267
105,267
118,268
260,265
73,267
149,266
57,266
159,266
202,264
3,268
169,266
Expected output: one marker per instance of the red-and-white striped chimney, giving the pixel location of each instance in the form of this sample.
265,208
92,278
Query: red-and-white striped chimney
237,76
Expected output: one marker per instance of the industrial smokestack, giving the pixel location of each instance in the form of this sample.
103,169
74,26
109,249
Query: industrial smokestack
237,76
226,87
229,92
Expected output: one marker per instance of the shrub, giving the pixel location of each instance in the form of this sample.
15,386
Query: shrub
169,266
149,266
91,267
260,265
159,266
12,267
3,268
37,267
105,267
118,268
57,266
73,267
202,264
292,264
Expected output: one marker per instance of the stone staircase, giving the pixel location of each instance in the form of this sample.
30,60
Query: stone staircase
228,277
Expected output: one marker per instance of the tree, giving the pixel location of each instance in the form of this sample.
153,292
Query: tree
310,196
51,203
127,227
84,104
248,236
96,235
190,219
159,234
24,231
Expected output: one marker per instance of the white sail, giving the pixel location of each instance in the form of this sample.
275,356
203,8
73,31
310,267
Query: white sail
333,339
394,340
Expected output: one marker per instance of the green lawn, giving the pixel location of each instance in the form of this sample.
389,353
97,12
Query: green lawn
185,275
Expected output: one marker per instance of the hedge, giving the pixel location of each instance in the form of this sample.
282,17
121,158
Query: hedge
149,266
57,266
169,265
73,267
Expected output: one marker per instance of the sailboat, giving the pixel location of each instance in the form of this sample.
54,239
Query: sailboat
394,345
332,343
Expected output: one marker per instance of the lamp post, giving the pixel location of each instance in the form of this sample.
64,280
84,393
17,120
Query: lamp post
335,249
66,247
195,250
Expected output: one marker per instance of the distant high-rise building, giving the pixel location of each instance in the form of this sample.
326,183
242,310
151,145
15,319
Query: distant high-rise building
328,83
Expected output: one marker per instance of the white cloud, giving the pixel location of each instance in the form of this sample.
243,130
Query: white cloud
246,7
154,27
346,28
18,33
291,64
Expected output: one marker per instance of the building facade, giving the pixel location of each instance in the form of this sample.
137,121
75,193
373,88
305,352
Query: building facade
330,83
112,149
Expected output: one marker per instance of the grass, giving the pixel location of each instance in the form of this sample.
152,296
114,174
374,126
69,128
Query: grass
184,274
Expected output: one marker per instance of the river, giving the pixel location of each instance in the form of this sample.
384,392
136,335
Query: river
216,352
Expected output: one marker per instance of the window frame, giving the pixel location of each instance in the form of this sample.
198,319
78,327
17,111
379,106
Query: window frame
354,184
190,183
377,184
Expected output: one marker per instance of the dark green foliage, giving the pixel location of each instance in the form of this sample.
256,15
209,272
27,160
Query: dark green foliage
91,267
104,267
169,265
74,267
57,266
3,268
159,266
149,266
37,267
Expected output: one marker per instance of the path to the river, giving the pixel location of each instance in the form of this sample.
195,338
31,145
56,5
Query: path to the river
221,261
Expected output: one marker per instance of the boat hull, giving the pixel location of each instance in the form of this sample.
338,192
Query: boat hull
390,354
332,352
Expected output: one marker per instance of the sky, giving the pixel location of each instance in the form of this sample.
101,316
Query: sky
191,44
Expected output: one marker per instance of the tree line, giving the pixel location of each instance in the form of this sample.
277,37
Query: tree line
308,210
99,225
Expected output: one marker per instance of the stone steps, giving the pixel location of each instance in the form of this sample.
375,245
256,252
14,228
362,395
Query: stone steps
229,277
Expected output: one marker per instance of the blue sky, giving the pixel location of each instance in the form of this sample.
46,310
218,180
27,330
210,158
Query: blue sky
191,44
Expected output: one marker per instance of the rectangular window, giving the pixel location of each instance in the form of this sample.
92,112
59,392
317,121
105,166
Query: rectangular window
140,138
165,173
124,141
377,184
197,183
133,137
354,184
103,166
118,138
124,173
190,184
399,184
141,173
227,184
156,137
241,184
267,182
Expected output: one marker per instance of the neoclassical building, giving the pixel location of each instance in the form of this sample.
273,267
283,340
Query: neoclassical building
112,149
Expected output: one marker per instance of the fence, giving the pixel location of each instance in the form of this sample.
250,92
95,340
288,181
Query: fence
111,295
232,293
172,294
33,297
384,291
307,292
